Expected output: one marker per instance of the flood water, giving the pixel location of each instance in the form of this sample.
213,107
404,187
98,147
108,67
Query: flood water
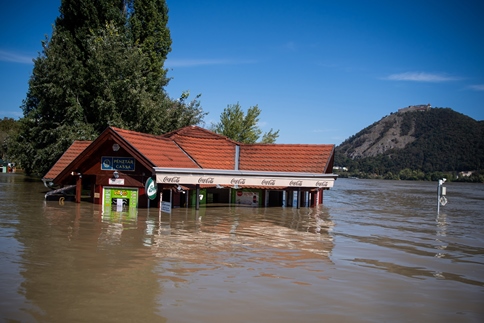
375,252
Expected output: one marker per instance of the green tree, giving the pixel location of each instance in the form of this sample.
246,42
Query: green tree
241,127
8,130
148,20
270,137
103,66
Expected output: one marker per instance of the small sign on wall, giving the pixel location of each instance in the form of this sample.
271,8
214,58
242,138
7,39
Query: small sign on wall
116,181
247,198
118,163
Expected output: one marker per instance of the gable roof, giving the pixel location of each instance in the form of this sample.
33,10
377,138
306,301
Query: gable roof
69,155
208,149
160,151
150,150
197,132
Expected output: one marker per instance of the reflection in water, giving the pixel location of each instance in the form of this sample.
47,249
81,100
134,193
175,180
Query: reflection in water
117,222
244,261
441,232
375,250
71,277
192,235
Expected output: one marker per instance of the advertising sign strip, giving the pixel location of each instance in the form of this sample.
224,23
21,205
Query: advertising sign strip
129,195
117,163
248,180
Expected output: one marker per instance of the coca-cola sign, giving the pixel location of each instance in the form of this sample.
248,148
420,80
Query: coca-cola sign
172,179
322,183
295,183
268,182
237,181
205,180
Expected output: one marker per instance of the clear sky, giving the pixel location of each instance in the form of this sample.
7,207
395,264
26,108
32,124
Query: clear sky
320,71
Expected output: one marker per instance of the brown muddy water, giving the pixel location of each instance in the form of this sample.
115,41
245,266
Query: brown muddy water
375,252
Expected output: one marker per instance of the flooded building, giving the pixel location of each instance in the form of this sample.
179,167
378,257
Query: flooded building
189,167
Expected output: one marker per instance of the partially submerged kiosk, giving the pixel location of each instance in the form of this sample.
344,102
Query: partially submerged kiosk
189,167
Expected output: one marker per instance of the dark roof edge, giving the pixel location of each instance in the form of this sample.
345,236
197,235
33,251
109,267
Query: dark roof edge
330,161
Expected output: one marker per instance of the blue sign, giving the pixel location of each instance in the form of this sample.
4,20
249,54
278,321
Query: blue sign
118,163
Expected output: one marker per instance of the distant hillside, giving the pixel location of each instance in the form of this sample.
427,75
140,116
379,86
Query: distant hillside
427,140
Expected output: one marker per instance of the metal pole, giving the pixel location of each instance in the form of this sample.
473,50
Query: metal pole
171,198
441,194
438,196
298,197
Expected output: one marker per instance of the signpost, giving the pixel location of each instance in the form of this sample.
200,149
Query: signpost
441,192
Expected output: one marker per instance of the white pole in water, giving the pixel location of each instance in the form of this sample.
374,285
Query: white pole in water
439,192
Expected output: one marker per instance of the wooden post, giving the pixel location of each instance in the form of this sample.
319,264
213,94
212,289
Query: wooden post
78,188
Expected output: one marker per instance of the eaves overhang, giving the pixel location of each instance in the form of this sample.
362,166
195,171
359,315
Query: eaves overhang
107,135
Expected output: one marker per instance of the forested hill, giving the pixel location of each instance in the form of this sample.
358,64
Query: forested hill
435,140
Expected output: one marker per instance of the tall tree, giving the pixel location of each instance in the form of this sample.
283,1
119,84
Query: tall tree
241,127
148,20
8,130
103,66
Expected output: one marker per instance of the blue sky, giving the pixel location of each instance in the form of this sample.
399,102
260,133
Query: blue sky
320,71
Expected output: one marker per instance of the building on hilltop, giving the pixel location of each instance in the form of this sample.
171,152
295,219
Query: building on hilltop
420,107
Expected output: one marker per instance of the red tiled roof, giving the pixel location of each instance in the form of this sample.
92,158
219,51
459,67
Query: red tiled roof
195,147
208,149
209,153
214,151
160,151
69,155
285,157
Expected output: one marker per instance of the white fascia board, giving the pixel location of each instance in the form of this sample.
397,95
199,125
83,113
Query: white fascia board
240,177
